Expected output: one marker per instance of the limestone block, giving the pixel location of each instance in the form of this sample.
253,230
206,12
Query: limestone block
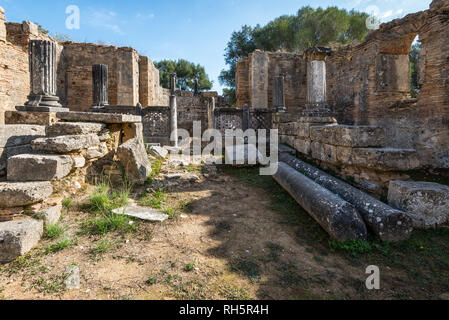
386,159
65,144
158,152
74,128
304,146
36,167
27,117
30,28
349,136
133,157
52,214
98,117
18,238
324,152
143,213
426,202
79,161
17,135
132,130
19,194
344,155
303,130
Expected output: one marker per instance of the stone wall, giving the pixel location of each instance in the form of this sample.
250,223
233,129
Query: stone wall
132,78
195,108
123,74
255,80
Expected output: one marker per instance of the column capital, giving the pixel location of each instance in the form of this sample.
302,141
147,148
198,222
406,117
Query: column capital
317,53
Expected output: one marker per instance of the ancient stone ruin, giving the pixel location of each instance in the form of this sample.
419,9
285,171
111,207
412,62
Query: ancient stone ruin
352,135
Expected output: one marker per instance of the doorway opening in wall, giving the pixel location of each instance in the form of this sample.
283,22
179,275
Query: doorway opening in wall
414,67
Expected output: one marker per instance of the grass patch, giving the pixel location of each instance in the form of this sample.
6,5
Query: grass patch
53,285
103,246
67,203
154,200
54,231
103,200
189,267
156,166
60,245
108,223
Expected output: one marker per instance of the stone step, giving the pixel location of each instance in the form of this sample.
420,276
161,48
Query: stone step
36,167
382,159
349,136
74,128
18,135
65,144
98,117
18,238
19,194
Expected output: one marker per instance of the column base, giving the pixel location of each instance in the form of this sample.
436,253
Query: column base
317,110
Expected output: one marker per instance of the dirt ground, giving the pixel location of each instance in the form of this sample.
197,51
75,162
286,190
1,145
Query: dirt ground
233,235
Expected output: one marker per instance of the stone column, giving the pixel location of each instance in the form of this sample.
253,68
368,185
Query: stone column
42,98
279,95
316,82
100,85
246,121
173,109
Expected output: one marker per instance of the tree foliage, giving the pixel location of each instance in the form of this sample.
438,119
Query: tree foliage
309,27
186,73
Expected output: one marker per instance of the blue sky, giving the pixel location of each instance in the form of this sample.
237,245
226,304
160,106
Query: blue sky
196,30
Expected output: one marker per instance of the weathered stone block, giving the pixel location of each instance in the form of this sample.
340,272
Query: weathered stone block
26,117
79,161
18,238
65,144
30,28
17,135
349,136
133,157
18,194
143,213
158,152
426,202
74,128
132,130
304,146
34,167
386,159
324,152
98,117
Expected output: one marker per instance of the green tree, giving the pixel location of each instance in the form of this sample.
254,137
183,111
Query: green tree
309,27
186,73
414,57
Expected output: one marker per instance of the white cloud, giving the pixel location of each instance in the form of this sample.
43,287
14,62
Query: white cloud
387,14
144,17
